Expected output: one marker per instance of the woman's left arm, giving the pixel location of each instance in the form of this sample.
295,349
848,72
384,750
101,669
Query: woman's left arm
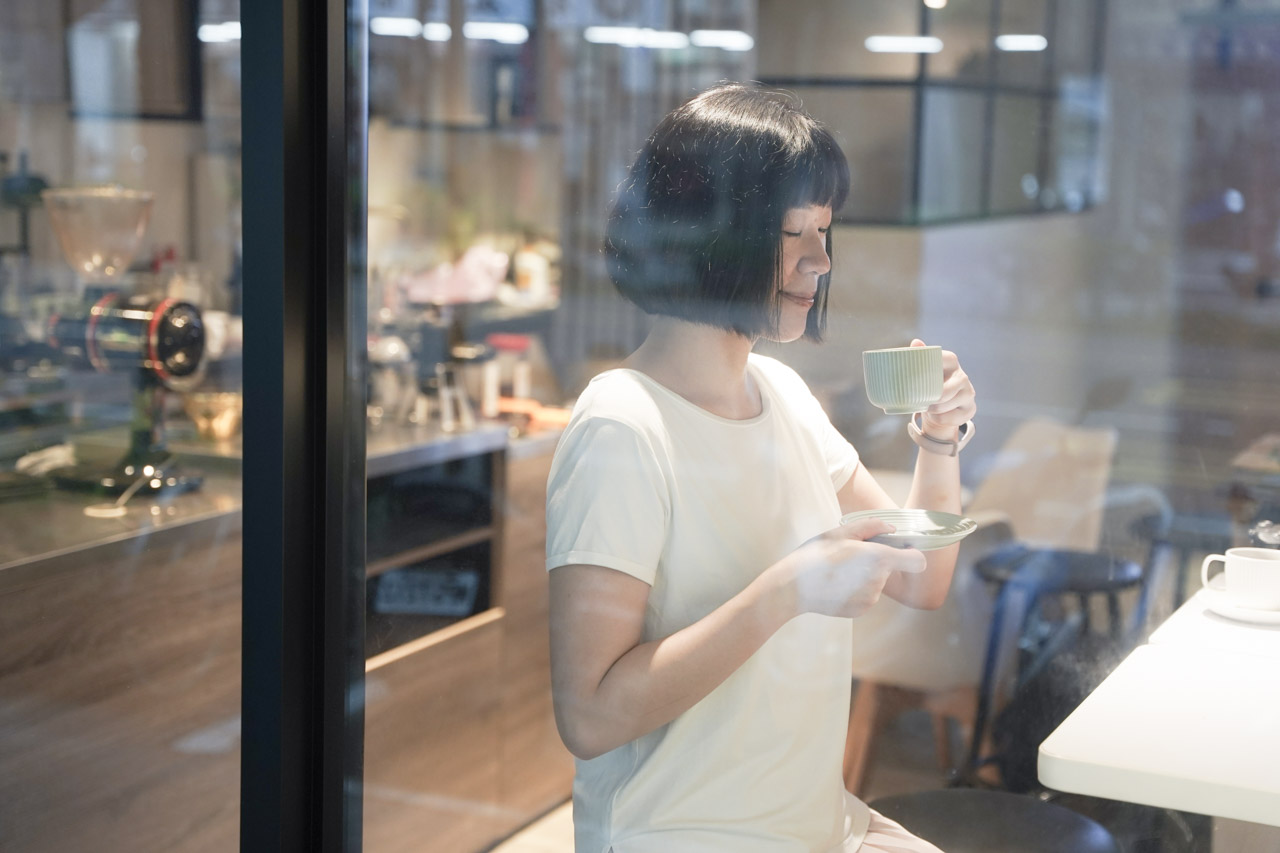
936,485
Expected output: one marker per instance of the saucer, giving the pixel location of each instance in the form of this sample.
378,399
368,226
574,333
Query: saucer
922,529
1218,603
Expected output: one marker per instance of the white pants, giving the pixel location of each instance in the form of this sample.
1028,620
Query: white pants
887,836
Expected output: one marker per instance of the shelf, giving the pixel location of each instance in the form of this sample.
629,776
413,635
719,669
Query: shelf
448,631
431,549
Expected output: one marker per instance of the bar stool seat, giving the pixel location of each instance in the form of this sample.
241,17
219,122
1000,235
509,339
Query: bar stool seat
964,820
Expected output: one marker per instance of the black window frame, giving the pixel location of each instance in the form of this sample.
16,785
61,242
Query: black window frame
304,211
990,89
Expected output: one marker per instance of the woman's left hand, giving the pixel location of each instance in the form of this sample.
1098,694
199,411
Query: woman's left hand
958,404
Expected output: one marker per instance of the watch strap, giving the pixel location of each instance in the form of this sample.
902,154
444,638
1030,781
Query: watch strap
940,446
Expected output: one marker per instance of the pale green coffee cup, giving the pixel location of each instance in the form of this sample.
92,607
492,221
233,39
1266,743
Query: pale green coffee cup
903,380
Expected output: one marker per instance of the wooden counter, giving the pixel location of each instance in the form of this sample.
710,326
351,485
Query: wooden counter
120,688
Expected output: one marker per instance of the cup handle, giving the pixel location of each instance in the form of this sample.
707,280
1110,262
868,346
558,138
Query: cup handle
1204,567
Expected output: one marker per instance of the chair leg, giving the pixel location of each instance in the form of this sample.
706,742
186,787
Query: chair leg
864,720
942,740
956,703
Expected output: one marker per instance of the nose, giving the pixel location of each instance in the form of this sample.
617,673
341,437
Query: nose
815,258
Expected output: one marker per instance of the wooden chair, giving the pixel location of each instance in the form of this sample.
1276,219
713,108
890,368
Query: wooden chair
1046,488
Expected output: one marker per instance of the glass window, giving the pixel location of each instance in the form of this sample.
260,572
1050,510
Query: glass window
964,28
120,410
1022,42
1018,137
951,155
1075,39
881,151
840,36
1076,199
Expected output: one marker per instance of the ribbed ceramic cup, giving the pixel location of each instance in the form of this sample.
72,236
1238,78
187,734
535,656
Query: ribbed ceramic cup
903,380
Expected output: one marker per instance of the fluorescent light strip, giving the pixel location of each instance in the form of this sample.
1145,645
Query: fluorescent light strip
218,33
436,31
404,27
494,31
724,39
903,44
636,37
1021,43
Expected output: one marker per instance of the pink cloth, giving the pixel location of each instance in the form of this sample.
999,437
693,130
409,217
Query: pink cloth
887,836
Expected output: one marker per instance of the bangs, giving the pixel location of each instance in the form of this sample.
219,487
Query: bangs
819,174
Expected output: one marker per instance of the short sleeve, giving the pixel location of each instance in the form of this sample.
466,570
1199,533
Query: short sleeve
840,456
607,500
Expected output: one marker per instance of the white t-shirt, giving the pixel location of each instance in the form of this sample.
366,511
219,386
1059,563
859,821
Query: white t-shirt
697,506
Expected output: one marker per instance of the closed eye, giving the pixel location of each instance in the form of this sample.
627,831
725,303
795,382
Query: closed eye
791,233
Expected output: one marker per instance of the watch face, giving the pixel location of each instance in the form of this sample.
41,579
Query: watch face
179,341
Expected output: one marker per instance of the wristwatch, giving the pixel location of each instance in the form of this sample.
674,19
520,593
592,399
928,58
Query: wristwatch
941,446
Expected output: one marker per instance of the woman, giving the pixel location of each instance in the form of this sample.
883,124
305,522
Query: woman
701,583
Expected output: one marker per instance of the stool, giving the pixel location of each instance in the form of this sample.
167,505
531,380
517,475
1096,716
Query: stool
964,820
1037,572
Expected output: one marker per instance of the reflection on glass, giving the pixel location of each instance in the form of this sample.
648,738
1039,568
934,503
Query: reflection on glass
120,407
1076,40
879,151
1017,134
1022,44
839,36
951,154
964,26
1075,168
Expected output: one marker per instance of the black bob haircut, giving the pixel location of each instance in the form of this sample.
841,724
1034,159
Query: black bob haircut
696,229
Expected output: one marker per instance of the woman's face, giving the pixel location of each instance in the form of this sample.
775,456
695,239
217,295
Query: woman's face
804,260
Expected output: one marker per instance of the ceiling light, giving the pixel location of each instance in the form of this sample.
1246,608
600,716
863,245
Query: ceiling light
494,31
724,39
936,4
636,37
1021,42
903,44
436,31
405,27
216,33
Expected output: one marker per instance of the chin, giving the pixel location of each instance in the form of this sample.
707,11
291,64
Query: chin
787,333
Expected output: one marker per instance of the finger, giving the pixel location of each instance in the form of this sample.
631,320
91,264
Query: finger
911,561
916,342
899,558
957,398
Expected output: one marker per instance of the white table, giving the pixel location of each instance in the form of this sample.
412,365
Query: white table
1195,625
1190,721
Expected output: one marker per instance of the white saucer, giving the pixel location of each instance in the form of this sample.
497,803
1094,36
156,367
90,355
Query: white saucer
922,529
1218,602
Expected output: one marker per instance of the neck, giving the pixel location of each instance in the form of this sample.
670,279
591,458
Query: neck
706,366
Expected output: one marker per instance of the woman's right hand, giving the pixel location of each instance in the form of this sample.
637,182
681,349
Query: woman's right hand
838,573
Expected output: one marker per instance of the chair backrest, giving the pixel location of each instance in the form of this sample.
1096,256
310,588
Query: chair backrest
1050,479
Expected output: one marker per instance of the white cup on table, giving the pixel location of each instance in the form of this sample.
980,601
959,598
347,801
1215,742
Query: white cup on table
1251,577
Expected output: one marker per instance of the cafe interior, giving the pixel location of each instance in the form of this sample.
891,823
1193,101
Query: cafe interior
1081,198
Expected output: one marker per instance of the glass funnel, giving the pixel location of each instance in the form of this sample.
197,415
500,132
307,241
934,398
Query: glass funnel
99,228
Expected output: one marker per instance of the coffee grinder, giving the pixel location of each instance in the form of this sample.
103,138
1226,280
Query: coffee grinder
160,340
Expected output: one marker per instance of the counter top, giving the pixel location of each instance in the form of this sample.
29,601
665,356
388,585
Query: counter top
54,524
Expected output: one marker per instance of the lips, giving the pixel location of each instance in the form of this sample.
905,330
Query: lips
806,301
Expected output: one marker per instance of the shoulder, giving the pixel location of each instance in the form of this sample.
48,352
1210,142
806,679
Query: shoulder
780,376
619,396
617,411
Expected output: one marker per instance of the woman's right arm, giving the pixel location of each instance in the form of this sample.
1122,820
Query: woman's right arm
610,688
